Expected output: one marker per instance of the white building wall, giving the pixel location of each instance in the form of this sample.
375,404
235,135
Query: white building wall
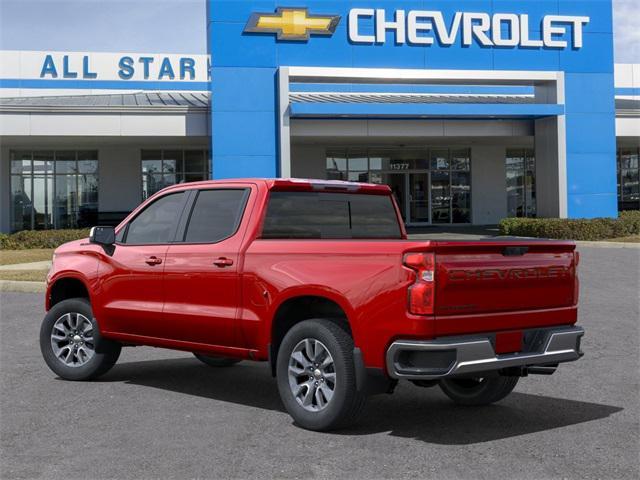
178,124
410,129
628,127
120,183
627,75
308,161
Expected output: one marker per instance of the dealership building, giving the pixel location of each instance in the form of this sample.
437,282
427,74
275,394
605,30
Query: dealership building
470,111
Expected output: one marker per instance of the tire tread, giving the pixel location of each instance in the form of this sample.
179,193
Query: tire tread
106,354
495,390
354,401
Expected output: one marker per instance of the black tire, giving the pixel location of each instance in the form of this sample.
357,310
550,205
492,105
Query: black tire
346,404
217,361
106,352
478,391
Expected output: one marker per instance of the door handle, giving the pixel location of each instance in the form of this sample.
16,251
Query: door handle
223,262
153,260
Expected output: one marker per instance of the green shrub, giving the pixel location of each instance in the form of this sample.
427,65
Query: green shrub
28,239
628,223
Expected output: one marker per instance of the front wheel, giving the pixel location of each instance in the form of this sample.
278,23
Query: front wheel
316,376
478,390
71,344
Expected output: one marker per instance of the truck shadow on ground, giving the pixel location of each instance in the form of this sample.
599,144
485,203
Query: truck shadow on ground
411,412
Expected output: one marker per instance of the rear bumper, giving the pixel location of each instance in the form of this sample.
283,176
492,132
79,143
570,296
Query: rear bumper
453,356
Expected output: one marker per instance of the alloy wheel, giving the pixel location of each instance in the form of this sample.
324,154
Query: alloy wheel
312,375
72,339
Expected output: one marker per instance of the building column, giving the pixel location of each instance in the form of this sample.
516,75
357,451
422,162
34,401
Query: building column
551,167
488,184
5,191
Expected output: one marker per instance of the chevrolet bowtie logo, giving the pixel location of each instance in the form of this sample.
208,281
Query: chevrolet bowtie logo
292,24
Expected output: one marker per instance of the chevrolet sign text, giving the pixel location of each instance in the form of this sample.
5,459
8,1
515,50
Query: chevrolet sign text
421,27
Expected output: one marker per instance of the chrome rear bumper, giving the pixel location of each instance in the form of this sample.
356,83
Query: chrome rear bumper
449,356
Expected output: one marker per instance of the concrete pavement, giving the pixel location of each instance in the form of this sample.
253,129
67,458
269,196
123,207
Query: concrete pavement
163,414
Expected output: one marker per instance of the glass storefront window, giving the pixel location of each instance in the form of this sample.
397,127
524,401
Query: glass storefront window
53,189
520,170
163,168
460,159
440,159
440,197
460,196
628,178
430,185
21,204
336,165
358,166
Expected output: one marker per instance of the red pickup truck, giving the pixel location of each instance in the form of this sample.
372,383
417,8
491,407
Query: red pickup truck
319,279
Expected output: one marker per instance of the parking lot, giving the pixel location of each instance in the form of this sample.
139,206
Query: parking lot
162,414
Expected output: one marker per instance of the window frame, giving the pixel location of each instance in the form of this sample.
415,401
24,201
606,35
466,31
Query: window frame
187,213
181,208
179,172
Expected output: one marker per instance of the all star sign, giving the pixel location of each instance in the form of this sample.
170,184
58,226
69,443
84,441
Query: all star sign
424,27
103,66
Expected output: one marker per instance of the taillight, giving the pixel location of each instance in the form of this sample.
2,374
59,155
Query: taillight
576,280
422,292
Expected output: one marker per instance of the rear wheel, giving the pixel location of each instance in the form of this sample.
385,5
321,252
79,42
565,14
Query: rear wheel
70,342
478,390
316,376
217,361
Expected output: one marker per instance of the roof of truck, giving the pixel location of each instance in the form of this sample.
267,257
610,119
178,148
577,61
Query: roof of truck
299,184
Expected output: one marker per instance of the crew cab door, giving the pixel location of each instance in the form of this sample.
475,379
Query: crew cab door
131,294
201,274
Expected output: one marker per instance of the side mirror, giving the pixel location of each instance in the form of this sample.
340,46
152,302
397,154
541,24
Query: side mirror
102,235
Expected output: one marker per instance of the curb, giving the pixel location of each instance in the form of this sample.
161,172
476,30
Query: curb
605,244
44,265
22,287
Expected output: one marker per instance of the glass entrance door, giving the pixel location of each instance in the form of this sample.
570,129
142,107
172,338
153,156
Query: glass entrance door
418,198
411,191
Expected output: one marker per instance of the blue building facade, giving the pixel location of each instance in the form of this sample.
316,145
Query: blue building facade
471,111
548,63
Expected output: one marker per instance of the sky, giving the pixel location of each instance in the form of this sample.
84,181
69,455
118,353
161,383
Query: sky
172,26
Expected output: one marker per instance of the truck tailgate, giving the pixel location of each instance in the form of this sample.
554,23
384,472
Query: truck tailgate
506,277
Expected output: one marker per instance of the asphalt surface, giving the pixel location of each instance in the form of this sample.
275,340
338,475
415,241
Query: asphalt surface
161,414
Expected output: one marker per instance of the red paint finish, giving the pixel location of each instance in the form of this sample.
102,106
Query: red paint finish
222,298
130,296
509,342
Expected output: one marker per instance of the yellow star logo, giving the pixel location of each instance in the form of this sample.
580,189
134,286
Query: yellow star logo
292,24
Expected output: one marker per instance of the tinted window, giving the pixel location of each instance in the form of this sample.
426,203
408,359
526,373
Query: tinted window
156,224
330,215
216,215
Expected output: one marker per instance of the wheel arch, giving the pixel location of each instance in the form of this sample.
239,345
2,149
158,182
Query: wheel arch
297,308
66,287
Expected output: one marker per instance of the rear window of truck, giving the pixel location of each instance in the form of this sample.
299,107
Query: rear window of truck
330,215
